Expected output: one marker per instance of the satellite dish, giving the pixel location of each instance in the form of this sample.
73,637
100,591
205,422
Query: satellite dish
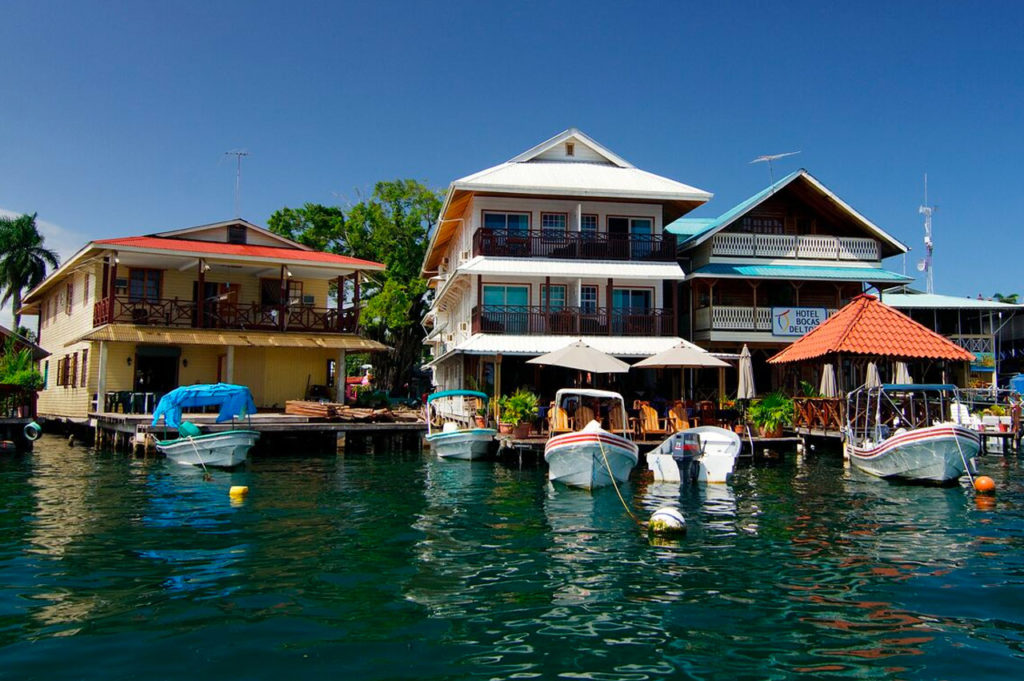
922,265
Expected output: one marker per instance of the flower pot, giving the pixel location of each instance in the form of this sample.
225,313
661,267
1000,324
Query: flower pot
522,431
481,422
739,429
774,432
505,428
1003,428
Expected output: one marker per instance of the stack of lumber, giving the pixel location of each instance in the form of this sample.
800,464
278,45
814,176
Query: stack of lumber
343,412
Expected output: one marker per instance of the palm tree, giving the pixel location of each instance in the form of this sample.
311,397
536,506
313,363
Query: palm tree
23,260
1012,298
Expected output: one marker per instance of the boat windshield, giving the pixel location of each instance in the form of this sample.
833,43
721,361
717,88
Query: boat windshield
875,412
233,400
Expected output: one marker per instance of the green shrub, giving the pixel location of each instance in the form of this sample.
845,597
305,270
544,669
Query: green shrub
518,407
771,411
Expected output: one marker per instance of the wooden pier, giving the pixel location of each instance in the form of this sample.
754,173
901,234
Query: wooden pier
134,431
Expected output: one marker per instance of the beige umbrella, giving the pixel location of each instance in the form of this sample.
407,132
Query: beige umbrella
580,356
682,356
872,379
902,374
828,381
746,389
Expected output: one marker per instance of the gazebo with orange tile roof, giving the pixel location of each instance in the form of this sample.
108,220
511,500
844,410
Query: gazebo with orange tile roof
869,329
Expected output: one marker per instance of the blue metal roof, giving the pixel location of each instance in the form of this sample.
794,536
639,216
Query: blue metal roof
799,272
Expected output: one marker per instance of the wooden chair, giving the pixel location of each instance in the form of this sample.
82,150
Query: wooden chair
650,424
583,416
615,420
558,421
708,417
677,418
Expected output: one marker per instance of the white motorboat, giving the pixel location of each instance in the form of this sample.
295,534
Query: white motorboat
224,449
217,450
909,432
450,430
703,454
591,456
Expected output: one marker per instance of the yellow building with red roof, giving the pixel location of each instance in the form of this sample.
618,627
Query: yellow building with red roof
128,319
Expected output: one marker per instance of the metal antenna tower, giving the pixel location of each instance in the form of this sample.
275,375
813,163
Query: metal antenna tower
238,154
772,157
925,265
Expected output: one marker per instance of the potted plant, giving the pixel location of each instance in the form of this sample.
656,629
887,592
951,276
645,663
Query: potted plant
481,417
517,412
771,413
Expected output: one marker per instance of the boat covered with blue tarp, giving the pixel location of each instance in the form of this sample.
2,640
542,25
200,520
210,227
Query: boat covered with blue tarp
234,401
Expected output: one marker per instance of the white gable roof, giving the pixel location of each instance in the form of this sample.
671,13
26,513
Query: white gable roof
591,170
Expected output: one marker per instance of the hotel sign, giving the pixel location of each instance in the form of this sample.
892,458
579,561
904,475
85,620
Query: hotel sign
796,321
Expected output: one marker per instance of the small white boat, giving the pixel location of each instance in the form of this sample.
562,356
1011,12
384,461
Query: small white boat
591,456
909,432
702,454
225,449
449,431
218,450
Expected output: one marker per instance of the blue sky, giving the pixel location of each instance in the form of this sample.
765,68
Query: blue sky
116,115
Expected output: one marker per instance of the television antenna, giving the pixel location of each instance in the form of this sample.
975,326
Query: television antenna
768,158
925,265
238,154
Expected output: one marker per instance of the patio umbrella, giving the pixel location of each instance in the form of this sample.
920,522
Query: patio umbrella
828,381
682,356
580,356
746,389
872,379
902,374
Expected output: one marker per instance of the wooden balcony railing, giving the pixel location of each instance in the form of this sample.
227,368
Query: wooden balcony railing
574,245
538,320
17,402
224,315
819,413
735,318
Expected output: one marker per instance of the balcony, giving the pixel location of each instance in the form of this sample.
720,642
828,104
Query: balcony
536,320
809,247
734,318
166,312
574,245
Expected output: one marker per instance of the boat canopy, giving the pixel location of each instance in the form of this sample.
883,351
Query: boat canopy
931,387
457,393
588,392
234,400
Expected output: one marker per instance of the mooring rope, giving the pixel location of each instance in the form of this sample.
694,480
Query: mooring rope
607,465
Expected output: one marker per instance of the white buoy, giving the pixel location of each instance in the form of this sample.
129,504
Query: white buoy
667,520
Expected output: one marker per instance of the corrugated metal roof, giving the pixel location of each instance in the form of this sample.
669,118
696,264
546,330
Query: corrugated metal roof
799,272
690,227
868,327
617,346
936,301
128,333
527,267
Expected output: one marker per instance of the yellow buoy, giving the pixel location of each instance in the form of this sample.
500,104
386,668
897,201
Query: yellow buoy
984,484
238,491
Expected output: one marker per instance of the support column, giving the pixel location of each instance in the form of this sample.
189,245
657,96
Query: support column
283,308
754,285
608,309
339,377
111,288
229,365
201,294
101,383
356,301
341,300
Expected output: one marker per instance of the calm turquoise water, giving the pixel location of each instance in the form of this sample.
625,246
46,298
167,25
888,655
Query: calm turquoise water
392,566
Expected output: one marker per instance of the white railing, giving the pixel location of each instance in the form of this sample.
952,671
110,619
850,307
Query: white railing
808,247
735,318
974,344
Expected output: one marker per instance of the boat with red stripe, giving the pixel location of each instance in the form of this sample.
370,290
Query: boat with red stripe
591,456
910,432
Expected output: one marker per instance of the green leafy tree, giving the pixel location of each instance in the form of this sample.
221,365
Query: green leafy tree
23,260
390,227
1012,299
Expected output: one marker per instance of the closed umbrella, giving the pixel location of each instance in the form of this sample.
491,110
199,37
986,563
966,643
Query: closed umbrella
872,379
746,389
902,374
828,381
580,356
